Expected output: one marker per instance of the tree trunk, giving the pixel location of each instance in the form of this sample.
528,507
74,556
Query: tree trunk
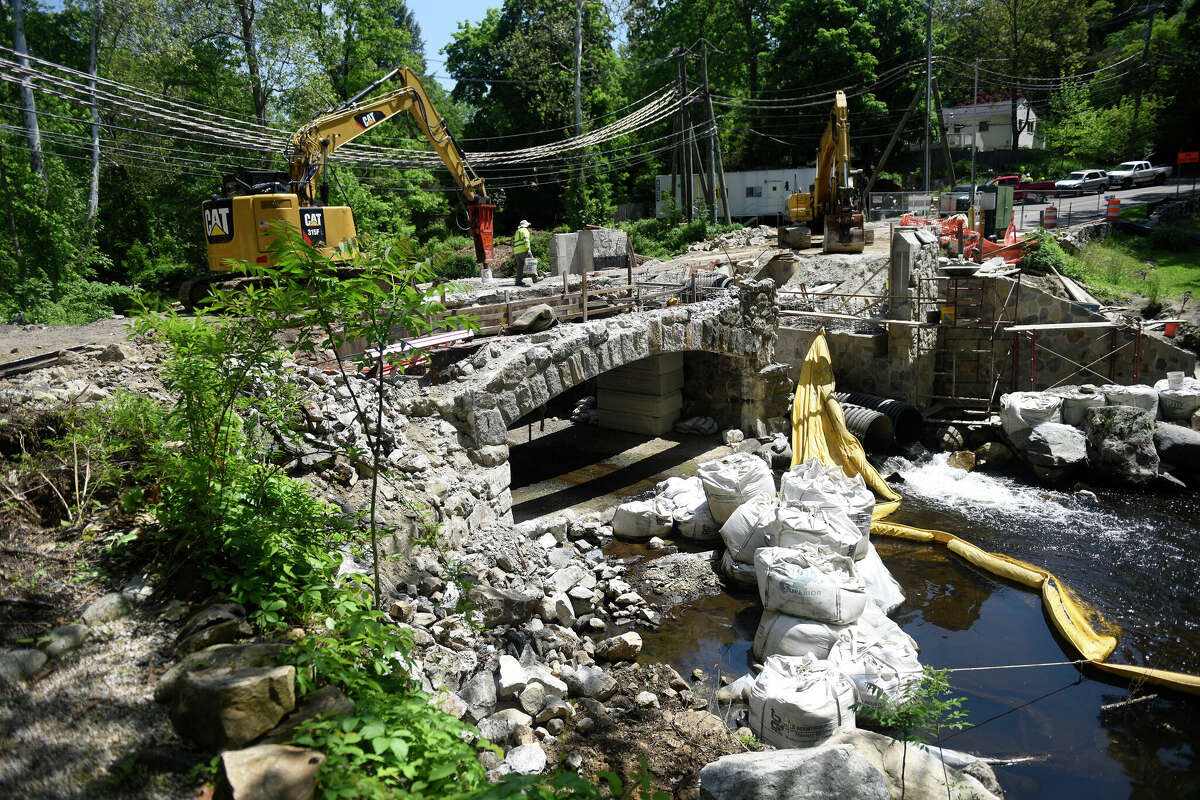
246,12
94,188
28,108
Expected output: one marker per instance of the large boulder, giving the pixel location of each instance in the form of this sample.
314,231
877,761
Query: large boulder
829,771
20,665
1120,443
1056,451
268,772
1179,447
924,776
504,606
620,648
113,605
221,656
219,709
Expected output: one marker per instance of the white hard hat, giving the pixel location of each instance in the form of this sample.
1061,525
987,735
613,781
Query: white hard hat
523,223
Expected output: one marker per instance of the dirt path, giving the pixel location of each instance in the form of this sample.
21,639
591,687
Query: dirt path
19,341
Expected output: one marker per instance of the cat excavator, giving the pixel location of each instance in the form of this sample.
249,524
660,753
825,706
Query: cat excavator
238,226
833,201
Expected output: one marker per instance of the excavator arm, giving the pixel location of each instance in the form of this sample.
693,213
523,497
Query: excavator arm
314,143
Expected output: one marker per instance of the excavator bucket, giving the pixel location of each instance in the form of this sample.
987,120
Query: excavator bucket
844,233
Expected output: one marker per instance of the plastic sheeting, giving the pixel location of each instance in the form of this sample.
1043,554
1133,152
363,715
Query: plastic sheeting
819,431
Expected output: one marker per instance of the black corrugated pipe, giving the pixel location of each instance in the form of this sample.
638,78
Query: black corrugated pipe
873,428
906,420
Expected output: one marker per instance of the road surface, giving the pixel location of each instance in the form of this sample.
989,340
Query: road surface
1091,207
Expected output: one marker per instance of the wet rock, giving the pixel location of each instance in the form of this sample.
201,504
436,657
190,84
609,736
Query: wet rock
1056,451
504,606
1120,443
221,708
527,759
993,454
113,605
962,459
20,665
942,438
827,771
1179,447
620,648
655,544
268,772
63,639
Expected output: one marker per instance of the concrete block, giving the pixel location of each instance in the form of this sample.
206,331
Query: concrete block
637,423
636,381
651,405
654,365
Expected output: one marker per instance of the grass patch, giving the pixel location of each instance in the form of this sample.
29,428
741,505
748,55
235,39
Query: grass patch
1116,267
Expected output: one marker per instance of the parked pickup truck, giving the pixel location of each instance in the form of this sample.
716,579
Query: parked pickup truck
1136,173
1025,191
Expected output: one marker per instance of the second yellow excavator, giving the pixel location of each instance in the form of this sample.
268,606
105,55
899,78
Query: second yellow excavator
833,201
238,225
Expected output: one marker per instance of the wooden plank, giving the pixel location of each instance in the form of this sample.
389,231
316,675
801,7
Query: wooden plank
1060,326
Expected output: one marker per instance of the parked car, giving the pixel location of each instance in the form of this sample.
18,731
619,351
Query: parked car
1025,191
1083,181
1137,173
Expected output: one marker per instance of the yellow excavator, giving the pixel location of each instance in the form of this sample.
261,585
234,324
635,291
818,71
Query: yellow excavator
833,198
237,226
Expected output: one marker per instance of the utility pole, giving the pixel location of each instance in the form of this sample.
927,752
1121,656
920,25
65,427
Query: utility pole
718,164
689,187
28,108
974,136
94,187
579,79
928,84
1137,98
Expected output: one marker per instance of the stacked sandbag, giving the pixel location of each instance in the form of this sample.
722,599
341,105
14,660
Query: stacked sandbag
741,574
827,527
1138,396
882,588
1021,412
733,480
688,508
883,665
808,581
783,634
643,519
746,529
1076,400
813,485
800,702
1181,402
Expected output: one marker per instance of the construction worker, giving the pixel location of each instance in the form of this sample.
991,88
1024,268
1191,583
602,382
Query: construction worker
523,249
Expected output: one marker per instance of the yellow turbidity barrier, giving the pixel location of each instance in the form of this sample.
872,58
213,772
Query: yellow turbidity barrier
819,431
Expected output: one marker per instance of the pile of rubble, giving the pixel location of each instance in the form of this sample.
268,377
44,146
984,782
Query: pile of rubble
760,236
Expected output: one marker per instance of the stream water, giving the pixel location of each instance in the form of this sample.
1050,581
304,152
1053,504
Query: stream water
1131,556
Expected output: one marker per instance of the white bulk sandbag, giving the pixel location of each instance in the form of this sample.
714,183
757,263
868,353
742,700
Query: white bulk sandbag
828,527
884,668
814,483
1138,396
809,581
642,519
1022,411
1076,400
673,487
784,635
1181,403
732,480
737,572
800,702
693,518
746,529
882,588
876,626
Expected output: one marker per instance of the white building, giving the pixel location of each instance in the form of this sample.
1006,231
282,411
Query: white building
991,126
759,193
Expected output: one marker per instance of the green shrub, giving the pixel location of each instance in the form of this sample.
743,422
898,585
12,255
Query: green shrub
456,265
438,232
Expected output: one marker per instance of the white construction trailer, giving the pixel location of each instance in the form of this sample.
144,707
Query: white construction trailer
759,193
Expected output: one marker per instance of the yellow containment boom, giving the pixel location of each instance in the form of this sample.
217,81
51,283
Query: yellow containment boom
819,431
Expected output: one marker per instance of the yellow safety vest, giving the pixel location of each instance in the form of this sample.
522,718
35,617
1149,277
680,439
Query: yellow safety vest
521,241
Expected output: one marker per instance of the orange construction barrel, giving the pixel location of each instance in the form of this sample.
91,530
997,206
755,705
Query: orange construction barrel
1114,209
1050,217
481,230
